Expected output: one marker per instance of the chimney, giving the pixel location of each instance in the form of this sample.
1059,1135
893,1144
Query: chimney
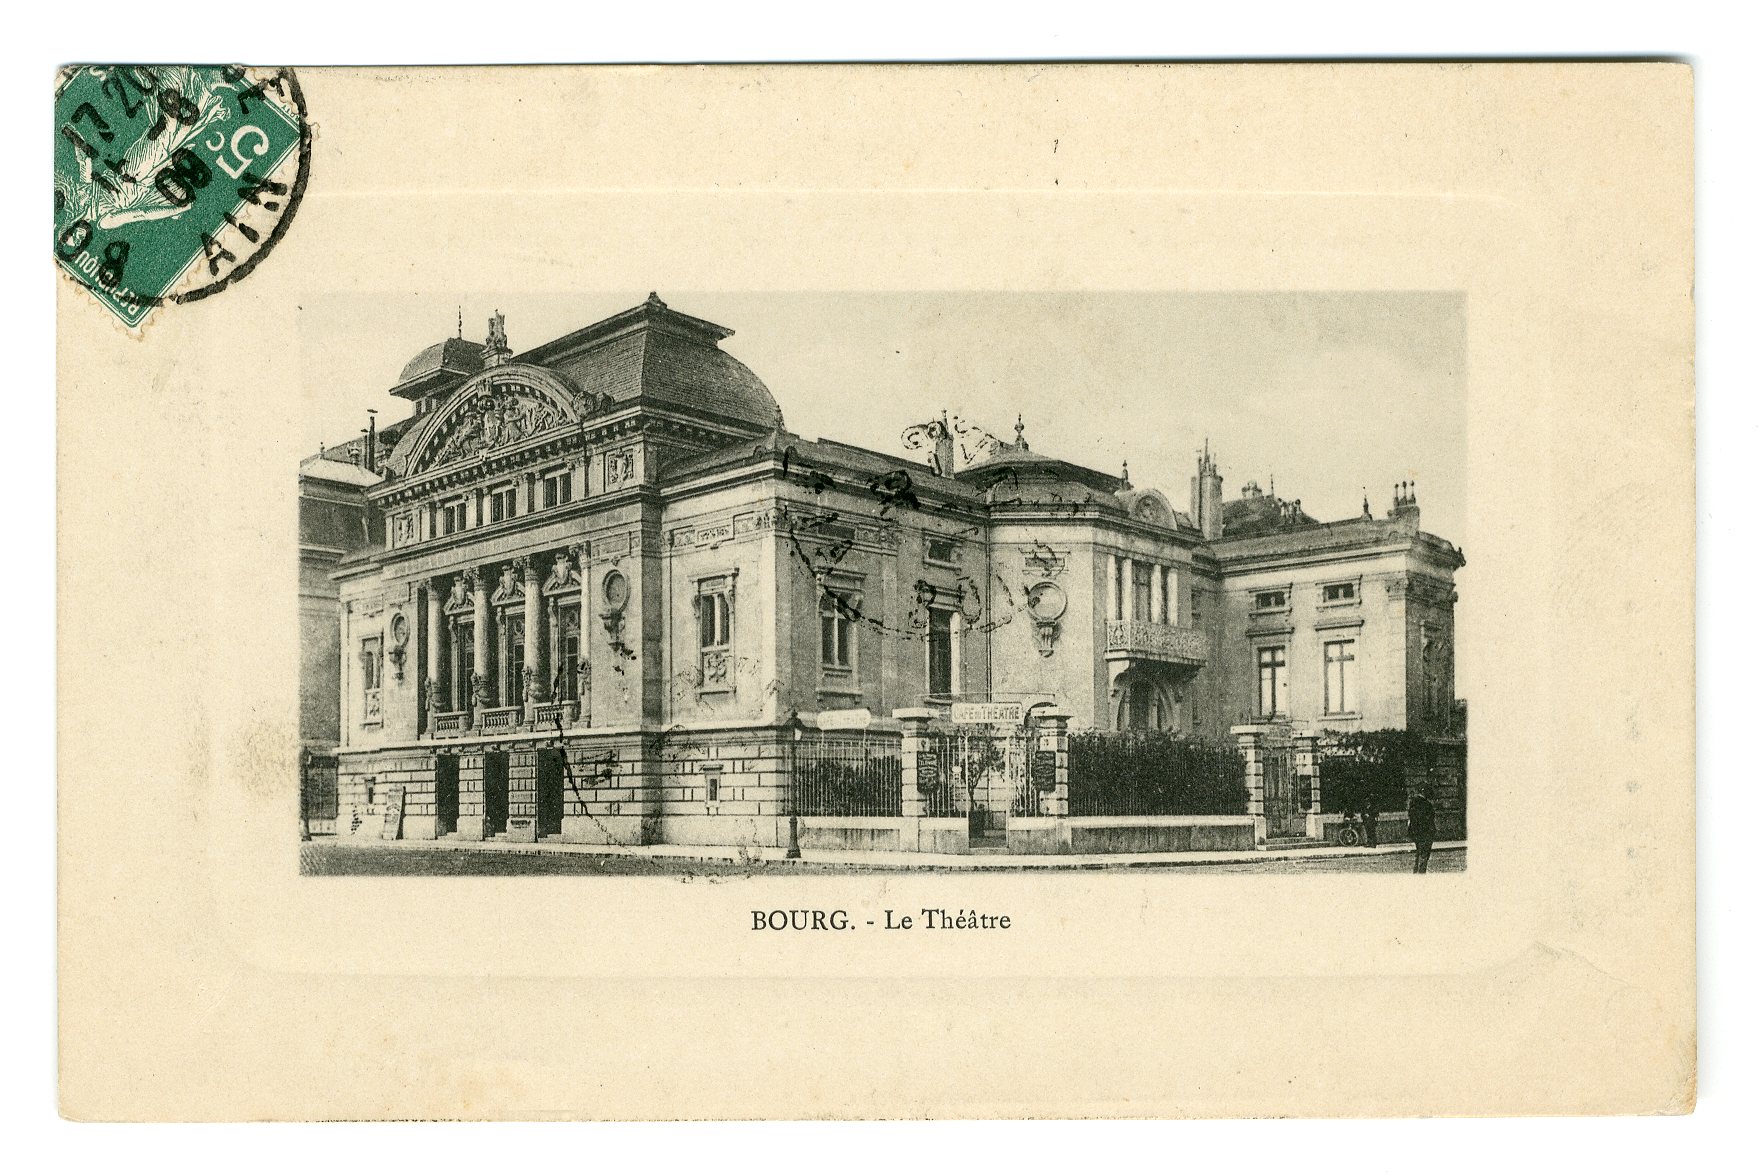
1205,496
372,440
1404,507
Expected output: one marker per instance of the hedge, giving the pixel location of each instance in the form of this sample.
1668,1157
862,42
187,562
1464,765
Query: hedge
1154,773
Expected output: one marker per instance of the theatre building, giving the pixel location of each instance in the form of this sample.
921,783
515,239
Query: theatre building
605,595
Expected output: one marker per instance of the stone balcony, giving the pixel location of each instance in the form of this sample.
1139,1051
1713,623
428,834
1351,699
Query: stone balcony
1147,640
538,716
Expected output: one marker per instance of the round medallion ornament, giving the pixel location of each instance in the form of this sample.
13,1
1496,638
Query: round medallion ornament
616,591
1046,602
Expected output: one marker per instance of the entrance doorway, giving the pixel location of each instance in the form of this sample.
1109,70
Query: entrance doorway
549,793
494,793
445,795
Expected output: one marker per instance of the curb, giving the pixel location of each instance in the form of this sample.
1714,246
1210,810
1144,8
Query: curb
737,855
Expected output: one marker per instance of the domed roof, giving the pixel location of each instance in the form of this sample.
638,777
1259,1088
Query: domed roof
652,354
445,362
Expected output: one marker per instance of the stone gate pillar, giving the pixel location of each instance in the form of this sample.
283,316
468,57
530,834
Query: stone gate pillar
915,749
1251,740
1050,754
1306,766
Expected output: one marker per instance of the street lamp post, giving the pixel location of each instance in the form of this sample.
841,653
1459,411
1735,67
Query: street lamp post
797,730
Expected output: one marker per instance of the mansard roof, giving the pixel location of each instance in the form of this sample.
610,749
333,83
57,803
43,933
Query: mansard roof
651,354
1256,512
440,366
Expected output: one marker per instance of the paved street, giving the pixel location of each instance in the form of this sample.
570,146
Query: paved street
1442,861
327,858
333,859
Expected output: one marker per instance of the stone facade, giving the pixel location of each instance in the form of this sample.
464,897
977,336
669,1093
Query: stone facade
608,578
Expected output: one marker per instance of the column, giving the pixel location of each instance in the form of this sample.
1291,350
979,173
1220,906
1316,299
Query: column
1157,578
1172,609
533,674
1111,607
582,672
479,638
436,602
1127,587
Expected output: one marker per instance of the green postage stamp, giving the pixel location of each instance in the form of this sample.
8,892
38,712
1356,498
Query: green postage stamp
174,181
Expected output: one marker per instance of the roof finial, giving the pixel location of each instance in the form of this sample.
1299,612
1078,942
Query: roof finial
1019,432
460,320
1126,473
496,350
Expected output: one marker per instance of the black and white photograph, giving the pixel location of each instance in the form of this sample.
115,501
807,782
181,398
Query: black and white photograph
939,581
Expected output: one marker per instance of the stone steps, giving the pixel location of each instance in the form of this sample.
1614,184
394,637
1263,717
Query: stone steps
1294,842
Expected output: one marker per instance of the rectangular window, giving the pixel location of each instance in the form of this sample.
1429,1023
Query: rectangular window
1340,593
940,651
372,667
1270,601
515,684
714,633
371,662
1339,690
715,620
502,501
1272,681
942,550
558,488
836,631
452,517
1143,591
568,672
466,646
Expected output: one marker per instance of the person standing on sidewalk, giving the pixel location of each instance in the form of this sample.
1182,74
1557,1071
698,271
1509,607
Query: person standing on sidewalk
1421,827
1370,812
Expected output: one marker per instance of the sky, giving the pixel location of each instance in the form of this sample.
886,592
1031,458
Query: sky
1329,395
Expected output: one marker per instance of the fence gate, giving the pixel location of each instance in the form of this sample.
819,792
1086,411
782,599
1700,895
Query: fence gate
1282,810
980,773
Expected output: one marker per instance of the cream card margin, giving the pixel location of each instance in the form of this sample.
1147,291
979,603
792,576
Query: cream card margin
201,977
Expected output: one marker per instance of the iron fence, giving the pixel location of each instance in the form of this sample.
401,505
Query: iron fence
854,776
317,793
974,766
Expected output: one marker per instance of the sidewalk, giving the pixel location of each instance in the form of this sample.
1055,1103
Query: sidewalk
738,854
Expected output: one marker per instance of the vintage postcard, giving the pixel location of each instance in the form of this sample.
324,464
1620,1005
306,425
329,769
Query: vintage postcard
1068,590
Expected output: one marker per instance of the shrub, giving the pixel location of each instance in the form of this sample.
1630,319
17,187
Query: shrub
1153,773
1354,765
